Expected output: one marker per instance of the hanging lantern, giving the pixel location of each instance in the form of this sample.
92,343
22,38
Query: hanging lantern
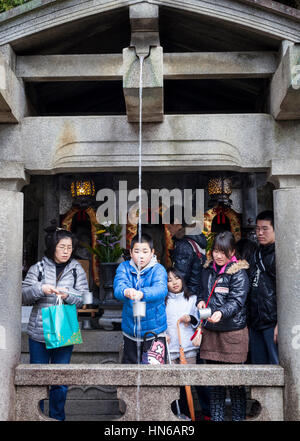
82,191
219,190
82,188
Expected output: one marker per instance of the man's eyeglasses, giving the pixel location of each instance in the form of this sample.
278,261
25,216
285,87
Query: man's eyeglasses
263,229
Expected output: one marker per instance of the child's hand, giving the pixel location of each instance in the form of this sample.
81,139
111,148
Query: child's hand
216,317
168,338
133,294
201,305
138,296
185,319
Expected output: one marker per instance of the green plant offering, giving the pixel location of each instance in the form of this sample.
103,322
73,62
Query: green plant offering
108,247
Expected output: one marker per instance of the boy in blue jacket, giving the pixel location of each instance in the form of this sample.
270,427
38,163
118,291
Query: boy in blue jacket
152,288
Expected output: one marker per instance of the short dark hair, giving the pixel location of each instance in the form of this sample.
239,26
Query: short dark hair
53,238
225,242
145,238
245,249
266,215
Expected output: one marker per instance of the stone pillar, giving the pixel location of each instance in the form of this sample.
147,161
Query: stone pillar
287,229
11,247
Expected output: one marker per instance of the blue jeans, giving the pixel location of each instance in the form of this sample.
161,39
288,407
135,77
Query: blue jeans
263,350
39,354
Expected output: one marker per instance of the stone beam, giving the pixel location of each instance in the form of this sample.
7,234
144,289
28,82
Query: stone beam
180,142
207,65
83,67
285,86
12,98
175,66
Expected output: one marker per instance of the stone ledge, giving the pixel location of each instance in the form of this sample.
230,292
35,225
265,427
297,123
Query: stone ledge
147,375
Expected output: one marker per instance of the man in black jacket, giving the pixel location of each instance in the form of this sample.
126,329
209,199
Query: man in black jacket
262,299
188,255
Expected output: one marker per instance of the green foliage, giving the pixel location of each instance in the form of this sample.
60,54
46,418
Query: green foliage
5,5
210,238
108,243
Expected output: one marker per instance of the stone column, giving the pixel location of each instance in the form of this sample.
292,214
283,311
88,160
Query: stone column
11,247
287,229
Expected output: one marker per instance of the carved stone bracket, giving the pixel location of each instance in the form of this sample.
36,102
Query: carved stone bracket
138,403
285,173
27,403
270,400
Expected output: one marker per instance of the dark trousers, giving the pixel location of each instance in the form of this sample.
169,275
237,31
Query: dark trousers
263,350
203,393
237,398
183,404
133,351
39,354
218,397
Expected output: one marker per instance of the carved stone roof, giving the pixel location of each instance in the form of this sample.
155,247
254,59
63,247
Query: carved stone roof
102,26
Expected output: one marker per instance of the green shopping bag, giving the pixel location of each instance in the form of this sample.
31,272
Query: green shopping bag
60,325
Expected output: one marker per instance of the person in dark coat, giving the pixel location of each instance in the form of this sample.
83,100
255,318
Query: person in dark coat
262,299
188,255
225,287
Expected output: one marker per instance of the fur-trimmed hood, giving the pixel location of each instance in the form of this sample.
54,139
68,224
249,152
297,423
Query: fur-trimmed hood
232,268
229,295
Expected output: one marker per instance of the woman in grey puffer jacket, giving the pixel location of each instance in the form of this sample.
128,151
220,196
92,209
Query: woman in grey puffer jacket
57,274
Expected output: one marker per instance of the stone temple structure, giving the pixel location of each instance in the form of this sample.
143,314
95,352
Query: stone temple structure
221,97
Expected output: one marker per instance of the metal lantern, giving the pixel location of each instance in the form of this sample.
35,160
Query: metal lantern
219,190
82,191
85,187
219,186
